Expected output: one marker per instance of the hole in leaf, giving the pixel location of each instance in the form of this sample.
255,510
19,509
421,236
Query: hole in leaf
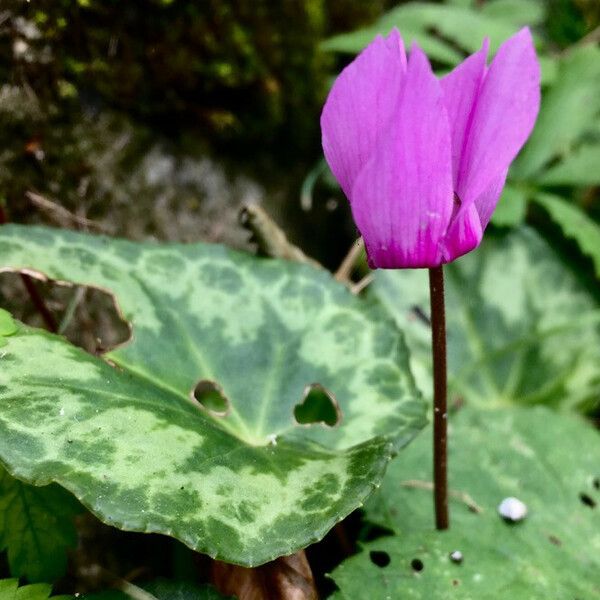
380,558
317,406
210,396
587,500
417,565
88,317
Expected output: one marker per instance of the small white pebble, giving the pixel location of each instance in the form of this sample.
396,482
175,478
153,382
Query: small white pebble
456,556
272,437
512,509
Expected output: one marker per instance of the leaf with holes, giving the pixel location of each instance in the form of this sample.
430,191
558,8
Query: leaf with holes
521,327
36,527
553,553
10,590
127,436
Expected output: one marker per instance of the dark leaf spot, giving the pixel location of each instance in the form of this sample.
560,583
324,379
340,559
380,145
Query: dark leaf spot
380,558
317,406
554,540
597,483
210,396
455,582
587,500
417,565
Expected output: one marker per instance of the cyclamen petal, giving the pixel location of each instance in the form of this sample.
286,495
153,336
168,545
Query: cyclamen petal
400,198
466,229
464,234
423,162
359,106
503,117
487,200
461,88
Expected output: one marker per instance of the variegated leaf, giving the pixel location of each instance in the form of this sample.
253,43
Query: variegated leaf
126,435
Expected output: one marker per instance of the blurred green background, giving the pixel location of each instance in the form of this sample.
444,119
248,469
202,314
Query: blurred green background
160,118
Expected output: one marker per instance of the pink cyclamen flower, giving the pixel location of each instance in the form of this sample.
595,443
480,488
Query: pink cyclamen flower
423,161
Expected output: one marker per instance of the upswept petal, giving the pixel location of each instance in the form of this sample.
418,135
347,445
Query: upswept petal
359,106
402,199
504,115
461,88
466,228
465,234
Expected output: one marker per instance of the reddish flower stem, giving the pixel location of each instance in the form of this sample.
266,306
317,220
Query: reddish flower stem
440,415
35,296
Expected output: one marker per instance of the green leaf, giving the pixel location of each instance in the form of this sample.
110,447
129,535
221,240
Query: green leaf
548,461
107,595
579,168
519,12
549,69
553,553
10,590
575,224
174,590
36,526
8,325
521,327
512,208
130,441
163,589
437,28
568,110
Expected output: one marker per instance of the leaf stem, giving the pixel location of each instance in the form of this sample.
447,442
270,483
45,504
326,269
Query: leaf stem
440,412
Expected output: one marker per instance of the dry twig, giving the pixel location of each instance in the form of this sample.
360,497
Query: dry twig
61,215
269,237
457,495
344,271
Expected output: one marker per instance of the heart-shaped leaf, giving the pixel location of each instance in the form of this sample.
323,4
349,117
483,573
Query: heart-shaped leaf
550,462
521,326
130,440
